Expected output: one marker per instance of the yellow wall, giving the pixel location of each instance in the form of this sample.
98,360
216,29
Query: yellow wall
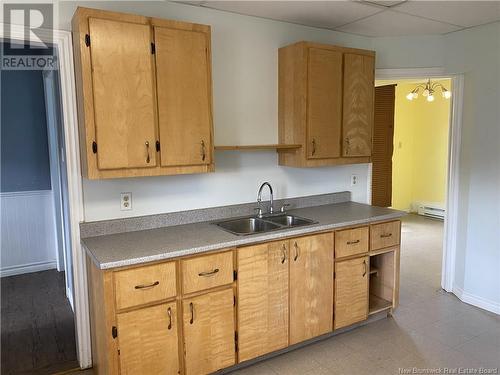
420,148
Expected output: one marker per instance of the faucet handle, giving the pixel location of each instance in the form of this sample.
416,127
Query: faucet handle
282,209
259,211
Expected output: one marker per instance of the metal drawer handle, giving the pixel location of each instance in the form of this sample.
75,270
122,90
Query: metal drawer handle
203,154
169,313
365,269
296,251
385,235
148,158
314,146
283,250
146,286
191,308
209,273
352,242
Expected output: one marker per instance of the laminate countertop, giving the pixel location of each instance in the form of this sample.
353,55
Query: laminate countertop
125,249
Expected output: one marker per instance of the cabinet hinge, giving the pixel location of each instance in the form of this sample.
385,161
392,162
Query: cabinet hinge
87,40
157,146
153,48
94,147
236,341
118,351
234,300
114,332
334,274
235,275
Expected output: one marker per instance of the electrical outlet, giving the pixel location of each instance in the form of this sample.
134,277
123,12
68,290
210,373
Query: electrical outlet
354,179
125,201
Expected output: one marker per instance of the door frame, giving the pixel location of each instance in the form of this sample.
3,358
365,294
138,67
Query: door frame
62,42
454,144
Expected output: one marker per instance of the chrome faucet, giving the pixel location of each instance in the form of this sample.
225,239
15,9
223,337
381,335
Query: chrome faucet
259,198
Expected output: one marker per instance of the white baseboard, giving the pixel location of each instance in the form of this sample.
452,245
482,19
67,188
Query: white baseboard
69,296
480,302
27,268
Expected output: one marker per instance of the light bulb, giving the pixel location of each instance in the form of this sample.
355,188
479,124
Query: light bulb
409,96
430,98
415,95
426,92
446,94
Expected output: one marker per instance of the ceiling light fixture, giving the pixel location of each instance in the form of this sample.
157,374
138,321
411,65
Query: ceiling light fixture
429,90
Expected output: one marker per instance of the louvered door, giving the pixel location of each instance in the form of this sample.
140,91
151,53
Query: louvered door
383,136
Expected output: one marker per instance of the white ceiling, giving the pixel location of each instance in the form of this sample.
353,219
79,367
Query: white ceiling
370,18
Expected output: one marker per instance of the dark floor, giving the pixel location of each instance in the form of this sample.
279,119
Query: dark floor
37,326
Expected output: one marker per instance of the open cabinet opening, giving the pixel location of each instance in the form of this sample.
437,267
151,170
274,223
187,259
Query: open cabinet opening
382,281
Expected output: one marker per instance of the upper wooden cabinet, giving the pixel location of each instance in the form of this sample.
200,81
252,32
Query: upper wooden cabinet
144,95
326,98
358,110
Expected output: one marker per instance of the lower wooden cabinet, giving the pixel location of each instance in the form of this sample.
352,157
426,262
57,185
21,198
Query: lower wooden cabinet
148,340
262,307
351,291
209,332
195,316
311,286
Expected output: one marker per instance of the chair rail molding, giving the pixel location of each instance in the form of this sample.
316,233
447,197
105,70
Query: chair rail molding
63,43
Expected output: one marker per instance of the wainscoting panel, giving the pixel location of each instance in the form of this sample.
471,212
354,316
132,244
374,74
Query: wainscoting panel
28,242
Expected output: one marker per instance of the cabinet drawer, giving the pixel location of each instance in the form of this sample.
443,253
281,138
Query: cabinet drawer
142,285
351,242
207,271
385,235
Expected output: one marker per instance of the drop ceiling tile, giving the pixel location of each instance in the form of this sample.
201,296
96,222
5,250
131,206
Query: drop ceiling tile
390,23
325,14
384,3
462,13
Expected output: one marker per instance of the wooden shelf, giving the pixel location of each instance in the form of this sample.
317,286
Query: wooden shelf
276,147
378,304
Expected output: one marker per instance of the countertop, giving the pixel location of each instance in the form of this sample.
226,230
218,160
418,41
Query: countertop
124,249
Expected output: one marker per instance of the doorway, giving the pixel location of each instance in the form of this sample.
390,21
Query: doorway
37,322
452,186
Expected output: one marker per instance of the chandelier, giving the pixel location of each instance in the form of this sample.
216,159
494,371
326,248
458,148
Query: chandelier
429,90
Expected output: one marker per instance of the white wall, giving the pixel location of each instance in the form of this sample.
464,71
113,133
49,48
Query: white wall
28,232
476,53
245,63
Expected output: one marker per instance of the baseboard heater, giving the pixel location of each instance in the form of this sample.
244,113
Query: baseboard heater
431,210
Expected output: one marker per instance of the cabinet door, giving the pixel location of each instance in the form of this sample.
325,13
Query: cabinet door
122,79
209,332
148,340
184,96
311,286
324,97
351,291
262,299
358,110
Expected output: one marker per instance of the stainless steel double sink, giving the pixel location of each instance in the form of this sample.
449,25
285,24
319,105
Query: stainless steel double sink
252,225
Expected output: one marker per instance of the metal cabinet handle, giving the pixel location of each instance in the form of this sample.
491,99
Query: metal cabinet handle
352,242
169,313
191,309
314,147
296,251
146,286
348,145
209,273
385,235
203,154
365,268
283,250
148,158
